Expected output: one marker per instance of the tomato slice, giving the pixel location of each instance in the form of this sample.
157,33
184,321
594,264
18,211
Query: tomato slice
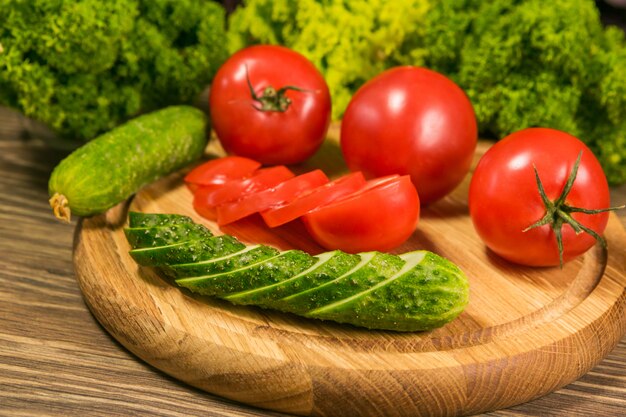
207,198
380,217
221,170
281,194
317,197
202,209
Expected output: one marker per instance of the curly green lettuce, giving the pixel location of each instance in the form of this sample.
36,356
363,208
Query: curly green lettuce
84,66
349,41
534,63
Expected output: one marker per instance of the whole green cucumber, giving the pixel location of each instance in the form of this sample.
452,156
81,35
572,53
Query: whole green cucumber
112,167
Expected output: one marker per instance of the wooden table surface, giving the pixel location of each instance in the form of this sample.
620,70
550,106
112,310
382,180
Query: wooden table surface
55,359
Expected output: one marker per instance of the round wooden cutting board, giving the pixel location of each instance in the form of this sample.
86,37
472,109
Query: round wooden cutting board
525,333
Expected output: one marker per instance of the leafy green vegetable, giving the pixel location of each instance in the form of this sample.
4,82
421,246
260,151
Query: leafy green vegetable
537,63
414,291
84,66
523,63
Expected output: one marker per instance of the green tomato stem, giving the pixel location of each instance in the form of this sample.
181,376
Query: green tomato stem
558,212
272,99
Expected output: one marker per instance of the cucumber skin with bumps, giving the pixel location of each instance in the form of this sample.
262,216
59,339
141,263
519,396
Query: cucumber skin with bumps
415,291
137,220
221,265
196,250
423,295
271,295
275,269
368,275
165,235
112,167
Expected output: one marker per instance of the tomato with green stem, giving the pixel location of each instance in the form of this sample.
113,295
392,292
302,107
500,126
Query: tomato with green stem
271,104
539,197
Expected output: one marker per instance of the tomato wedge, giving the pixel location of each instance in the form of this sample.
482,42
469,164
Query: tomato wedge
205,211
379,217
281,194
207,198
317,197
221,170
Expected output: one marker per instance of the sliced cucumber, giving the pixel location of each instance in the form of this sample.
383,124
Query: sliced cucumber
427,292
230,262
258,274
373,268
415,291
329,266
136,219
145,237
187,251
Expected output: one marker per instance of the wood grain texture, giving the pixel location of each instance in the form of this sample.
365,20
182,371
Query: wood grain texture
55,360
525,333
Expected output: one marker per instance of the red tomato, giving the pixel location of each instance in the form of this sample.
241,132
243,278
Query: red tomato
207,198
220,170
271,104
318,197
504,197
379,217
280,194
411,121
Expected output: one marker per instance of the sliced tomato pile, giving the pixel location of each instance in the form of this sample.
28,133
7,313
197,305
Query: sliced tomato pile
318,197
283,193
348,213
208,198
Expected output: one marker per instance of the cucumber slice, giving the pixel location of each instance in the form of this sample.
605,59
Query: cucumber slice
136,219
266,272
230,262
145,237
373,268
329,266
188,251
427,292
